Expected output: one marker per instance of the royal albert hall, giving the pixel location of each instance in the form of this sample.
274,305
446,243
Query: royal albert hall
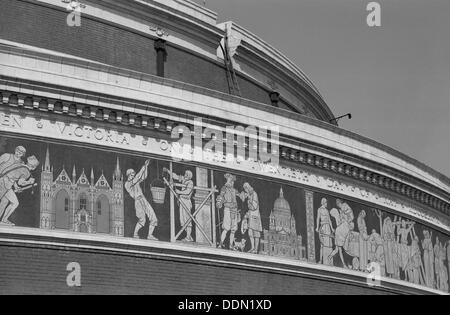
147,148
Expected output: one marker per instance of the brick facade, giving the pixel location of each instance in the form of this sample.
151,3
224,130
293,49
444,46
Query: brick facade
34,270
111,45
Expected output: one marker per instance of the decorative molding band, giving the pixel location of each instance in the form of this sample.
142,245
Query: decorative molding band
166,124
138,16
112,87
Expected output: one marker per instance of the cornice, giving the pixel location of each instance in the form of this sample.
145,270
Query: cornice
190,9
131,82
184,17
163,121
184,26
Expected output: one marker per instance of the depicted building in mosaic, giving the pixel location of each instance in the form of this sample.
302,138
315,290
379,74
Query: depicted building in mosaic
281,239
80,204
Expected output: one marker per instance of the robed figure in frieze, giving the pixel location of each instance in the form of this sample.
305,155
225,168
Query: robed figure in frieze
428,257
439,267
326,232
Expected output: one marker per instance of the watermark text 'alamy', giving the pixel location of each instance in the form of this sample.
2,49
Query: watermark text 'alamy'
233,144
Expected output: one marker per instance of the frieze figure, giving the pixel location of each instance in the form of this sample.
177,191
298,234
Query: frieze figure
344,221
390,254
325,230
141,204
403,230
252,217
185,195
15,178
428,258
383,248
227,200
415,270
448,257
376,251
363,240
396,253
440,270
399,251
437,265
444,272
9,160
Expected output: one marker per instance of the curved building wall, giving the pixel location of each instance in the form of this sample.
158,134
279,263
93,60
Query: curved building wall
111,190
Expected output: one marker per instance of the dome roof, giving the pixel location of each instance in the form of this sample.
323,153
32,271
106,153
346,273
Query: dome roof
281,206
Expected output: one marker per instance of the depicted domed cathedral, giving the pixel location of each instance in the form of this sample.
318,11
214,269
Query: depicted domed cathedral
80,204
281,239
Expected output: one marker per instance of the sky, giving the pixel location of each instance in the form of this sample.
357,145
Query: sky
394,79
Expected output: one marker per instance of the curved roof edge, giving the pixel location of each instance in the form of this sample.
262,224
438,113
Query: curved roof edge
268,49
273,56
200,13
185,7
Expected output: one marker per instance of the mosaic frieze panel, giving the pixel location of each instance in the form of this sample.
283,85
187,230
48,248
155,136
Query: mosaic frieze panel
94,191
73,188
